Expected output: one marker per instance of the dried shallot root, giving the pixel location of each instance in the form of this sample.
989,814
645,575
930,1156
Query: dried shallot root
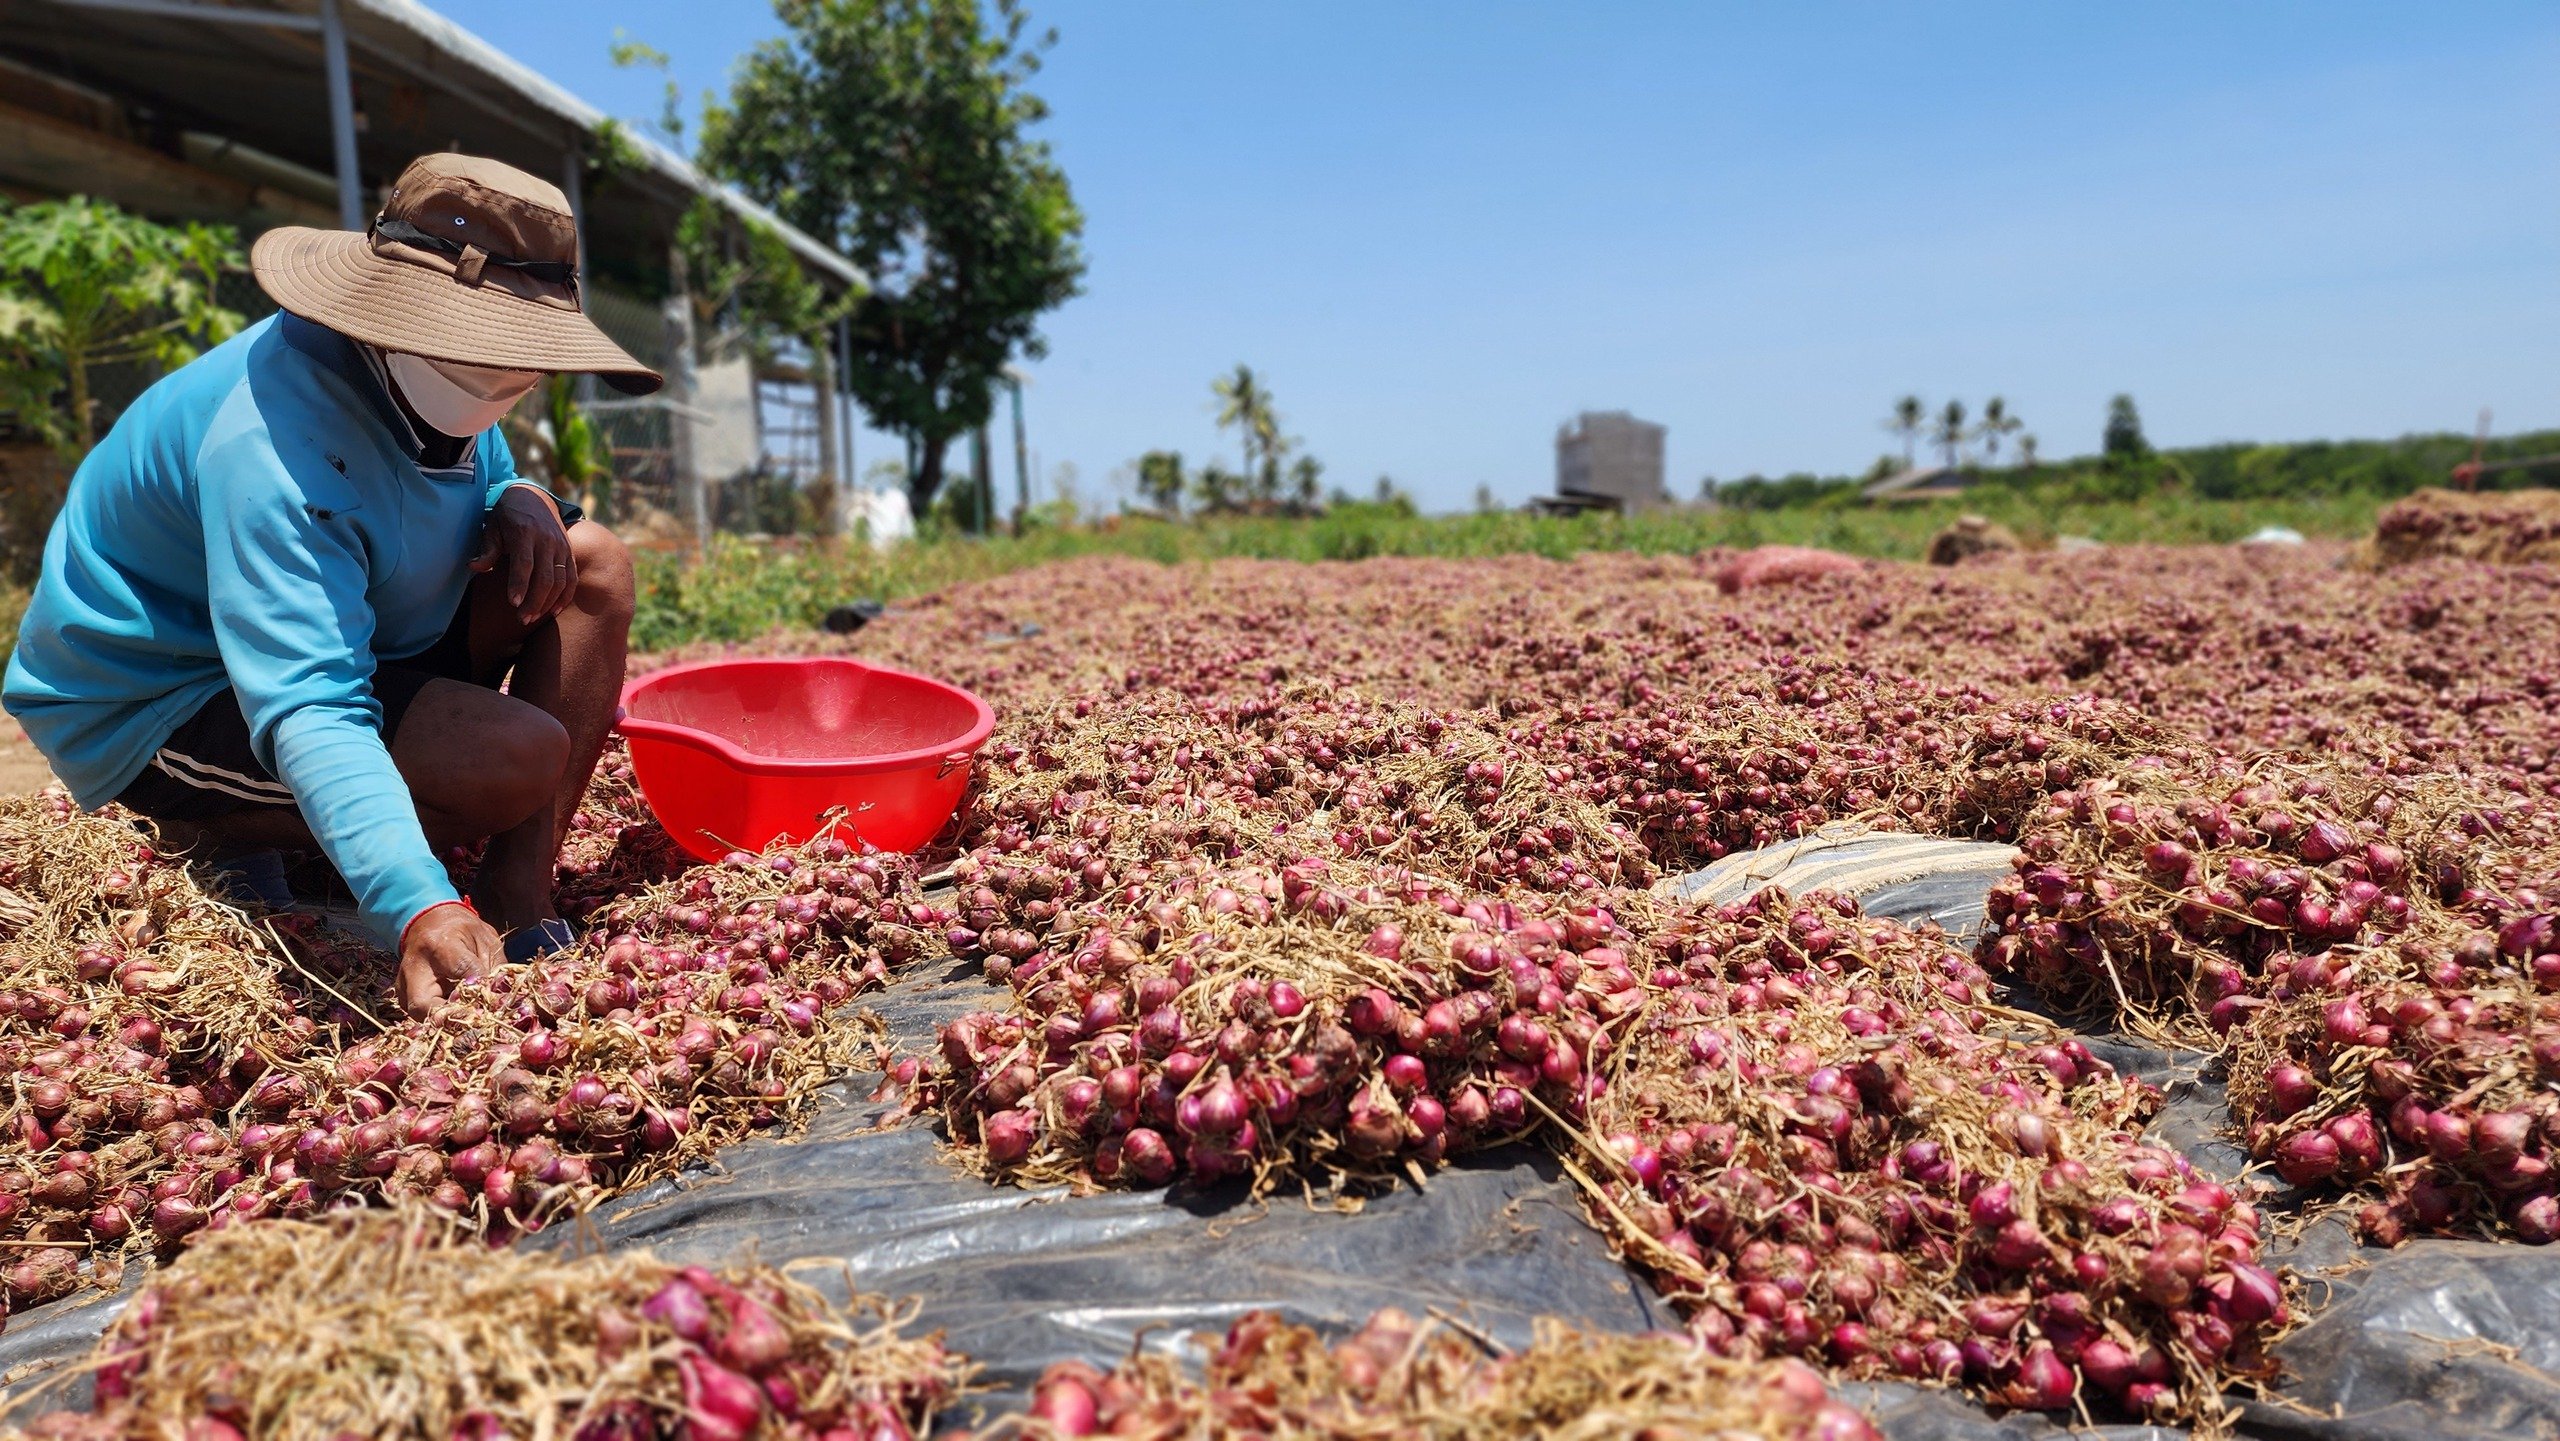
1399,1377
402,1324
1820,1146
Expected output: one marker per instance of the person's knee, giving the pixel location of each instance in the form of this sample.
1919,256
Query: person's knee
522,760
606,585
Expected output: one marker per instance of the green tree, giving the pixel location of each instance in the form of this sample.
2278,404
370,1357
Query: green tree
750,293
2124,438
581,464
1950,434
1160,480
1306,483
1908,419
899,132
1216,488
85,285
556,441
1997,425
1245,403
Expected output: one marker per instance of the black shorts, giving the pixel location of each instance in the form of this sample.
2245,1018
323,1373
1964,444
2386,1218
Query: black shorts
206,770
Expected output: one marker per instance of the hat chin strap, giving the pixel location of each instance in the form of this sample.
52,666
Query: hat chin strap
445,403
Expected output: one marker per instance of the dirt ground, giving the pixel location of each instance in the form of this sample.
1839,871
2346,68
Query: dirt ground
22,769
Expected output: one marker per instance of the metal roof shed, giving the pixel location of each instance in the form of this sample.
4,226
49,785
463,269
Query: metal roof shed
265,76
267,112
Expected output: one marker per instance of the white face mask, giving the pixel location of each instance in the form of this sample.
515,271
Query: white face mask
458,400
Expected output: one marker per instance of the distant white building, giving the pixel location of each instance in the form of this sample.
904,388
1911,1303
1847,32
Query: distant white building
1924,482
1608,460
879,514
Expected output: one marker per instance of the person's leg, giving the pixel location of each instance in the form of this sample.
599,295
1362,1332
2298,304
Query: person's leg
570,667
477,764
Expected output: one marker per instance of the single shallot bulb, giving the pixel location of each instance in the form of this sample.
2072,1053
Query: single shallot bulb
2290,1088
2307,1158
680,1308
1008,1136
1065,1399
2045,1381
755,1342
720,1404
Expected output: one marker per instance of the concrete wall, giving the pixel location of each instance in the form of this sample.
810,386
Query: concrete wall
1612,454
725,441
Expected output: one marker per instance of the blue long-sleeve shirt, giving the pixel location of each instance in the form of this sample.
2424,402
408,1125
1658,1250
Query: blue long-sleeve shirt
258,519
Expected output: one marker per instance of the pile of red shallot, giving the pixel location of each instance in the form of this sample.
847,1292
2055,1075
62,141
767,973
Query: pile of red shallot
1822,1144
693,1013
1328,874
1215,975
128,1004
1400,1377
393,1323
2372,953
174,1080
1204,986
398,1323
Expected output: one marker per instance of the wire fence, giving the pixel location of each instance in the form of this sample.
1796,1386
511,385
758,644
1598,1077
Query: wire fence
638,431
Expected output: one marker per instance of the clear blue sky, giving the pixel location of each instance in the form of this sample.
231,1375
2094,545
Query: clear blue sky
1440,228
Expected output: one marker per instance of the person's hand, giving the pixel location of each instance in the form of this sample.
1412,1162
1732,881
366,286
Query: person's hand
445,944
524,532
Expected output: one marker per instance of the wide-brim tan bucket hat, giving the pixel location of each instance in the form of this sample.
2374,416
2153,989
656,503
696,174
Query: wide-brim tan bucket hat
471,261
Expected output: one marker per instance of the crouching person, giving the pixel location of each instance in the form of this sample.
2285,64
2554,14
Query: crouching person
285,588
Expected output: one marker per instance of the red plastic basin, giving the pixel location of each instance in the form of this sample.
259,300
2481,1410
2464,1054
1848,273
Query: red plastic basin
737,754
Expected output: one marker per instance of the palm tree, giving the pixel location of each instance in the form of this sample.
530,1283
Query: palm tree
1306,483
1246,405
1275,448
1951,433
1215,488
1908,416
1161,481
1997,424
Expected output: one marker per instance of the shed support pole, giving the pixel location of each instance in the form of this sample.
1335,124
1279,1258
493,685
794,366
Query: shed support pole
342,114
982,478
1021,461
843,400
822,398
683,454
573,184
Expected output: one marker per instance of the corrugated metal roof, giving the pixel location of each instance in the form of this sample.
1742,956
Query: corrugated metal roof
263,86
